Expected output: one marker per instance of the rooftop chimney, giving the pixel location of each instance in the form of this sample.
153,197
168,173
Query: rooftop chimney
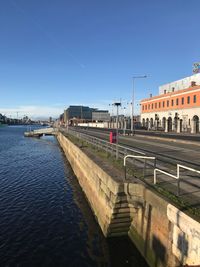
193,83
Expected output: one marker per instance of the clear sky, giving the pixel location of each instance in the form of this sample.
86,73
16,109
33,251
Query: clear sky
54,53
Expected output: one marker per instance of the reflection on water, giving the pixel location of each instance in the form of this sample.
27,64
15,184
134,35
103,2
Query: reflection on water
45,219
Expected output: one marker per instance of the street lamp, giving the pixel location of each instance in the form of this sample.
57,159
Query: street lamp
132,110
124,122
117,104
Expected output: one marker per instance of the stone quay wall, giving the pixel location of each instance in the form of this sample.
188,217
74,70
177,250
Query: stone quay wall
164,235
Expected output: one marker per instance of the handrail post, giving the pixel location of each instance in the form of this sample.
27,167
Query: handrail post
155,163
144,169
178,180
178,187
125,172
125,167
154,177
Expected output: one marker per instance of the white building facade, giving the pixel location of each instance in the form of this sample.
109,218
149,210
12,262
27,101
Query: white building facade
175,109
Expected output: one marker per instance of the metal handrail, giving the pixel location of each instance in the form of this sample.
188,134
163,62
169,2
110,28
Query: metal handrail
91,139
140,157
177,177
179,166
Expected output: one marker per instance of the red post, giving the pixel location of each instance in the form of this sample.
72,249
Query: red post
113,137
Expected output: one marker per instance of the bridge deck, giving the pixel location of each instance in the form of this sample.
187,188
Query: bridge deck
41,132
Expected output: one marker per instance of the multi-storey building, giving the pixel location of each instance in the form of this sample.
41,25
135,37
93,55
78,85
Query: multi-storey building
100,115
176,108
78,113
81,114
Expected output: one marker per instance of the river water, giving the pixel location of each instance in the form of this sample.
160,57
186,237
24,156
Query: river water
45,219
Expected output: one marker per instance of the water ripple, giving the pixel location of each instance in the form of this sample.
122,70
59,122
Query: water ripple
45,220
40,220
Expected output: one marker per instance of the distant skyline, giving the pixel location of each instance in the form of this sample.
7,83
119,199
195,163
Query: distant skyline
59,53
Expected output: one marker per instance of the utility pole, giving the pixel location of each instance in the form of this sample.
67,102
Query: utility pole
124,122
117,104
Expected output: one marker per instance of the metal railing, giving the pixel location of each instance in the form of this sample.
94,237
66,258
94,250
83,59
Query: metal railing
139,157
105,145
124,152
177,177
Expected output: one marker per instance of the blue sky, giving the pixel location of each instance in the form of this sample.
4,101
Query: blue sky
57,53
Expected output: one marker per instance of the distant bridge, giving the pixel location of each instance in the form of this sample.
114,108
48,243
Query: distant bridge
41,132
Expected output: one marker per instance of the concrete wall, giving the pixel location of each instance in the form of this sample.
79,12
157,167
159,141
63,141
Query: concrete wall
103,193
164,235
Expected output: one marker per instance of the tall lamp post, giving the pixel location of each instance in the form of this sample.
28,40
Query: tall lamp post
117,104
124,122
133,99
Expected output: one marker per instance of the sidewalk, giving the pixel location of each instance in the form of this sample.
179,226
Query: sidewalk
173,138
170,135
